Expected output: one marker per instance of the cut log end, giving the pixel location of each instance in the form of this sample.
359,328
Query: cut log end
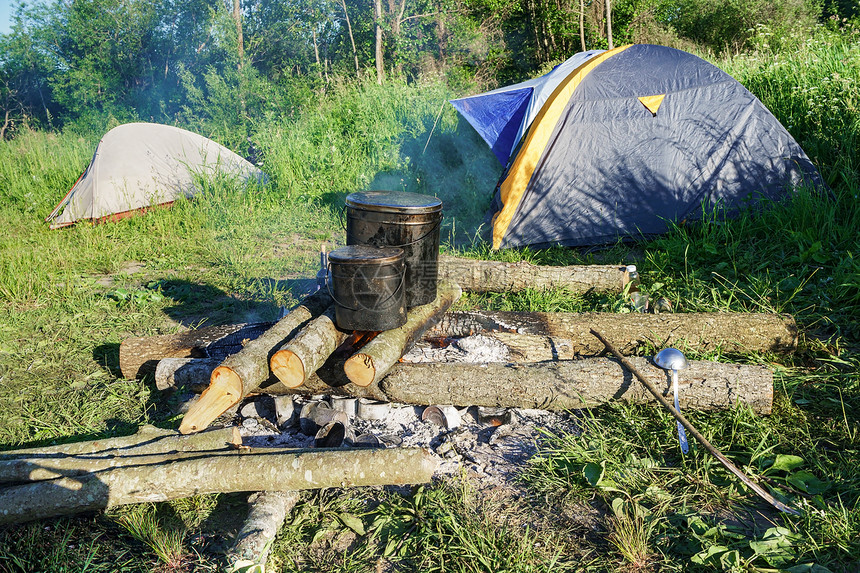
288,368
359,369
224,392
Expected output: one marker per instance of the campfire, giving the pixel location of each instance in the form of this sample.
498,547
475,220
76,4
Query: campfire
304,403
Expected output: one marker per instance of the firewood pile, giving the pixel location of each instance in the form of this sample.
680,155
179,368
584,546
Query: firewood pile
438,372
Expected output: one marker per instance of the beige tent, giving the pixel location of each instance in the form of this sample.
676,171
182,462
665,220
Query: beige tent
138,165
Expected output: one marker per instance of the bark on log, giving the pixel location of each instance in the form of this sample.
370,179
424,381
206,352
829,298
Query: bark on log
149,443
493,276
254,470
381,353
740,333
140,355
268,511
307,351
491,347
577,384
527,348
246,370
177,372
561,385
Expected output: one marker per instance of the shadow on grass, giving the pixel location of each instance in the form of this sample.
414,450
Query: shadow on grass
108,356
199,305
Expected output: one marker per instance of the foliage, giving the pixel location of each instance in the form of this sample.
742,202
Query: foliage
90,62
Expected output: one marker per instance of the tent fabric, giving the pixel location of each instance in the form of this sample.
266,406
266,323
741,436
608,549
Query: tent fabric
137,165
523,166
634,139
501,116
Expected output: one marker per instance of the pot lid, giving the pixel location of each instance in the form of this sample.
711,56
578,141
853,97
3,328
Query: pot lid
394,202
364,255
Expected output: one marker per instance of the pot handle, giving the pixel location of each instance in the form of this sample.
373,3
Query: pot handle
342,223
422,237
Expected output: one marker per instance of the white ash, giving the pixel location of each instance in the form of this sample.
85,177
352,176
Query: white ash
492,454
475,349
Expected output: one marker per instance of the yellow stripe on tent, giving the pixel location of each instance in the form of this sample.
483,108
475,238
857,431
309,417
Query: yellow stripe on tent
652,102
523,167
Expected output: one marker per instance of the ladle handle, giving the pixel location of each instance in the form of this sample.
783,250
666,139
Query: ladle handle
682,435
762,493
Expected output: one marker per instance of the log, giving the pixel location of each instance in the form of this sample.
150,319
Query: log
140,355
728,332
178,372
381,353
492,347
244,371
239,470
495,276
268,511
562,385
732,332
528,348
149,443
577,384
308,350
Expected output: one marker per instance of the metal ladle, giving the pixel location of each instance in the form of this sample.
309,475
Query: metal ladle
727,463
674,360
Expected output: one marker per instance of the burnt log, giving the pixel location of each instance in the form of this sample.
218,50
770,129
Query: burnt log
139,356
380,354
728,332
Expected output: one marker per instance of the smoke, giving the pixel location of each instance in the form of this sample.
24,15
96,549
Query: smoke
456,166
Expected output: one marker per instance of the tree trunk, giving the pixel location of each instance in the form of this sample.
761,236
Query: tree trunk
308,350
249,368
377,21
396,25
582,23
140,356
351,39
177,372
252,470
609,23
268,511
317,53
737,333
375,359
493,276
237,16
77,458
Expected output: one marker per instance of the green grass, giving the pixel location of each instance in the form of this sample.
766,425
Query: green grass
68,298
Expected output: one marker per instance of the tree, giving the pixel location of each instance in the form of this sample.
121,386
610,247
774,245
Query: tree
377,52
240,44
609,23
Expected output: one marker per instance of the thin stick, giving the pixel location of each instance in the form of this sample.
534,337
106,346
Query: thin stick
441,109
695,433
